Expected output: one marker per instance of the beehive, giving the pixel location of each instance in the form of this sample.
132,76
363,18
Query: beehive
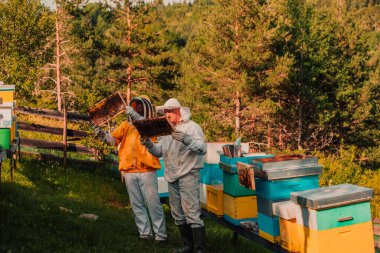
290,240
6,117
329,219
7,95
215,199
240,207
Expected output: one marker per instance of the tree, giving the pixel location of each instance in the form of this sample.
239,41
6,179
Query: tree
24,29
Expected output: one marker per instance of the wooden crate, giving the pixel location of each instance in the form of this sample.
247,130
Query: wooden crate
269,237
7,95
289,235
240,207
215,199
356,238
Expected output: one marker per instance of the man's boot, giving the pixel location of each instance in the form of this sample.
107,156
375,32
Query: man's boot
187,239
199,235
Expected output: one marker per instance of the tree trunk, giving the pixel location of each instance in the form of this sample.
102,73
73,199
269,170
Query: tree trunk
269,139
237,114
300,123
129,41
64,137
280,138
58,63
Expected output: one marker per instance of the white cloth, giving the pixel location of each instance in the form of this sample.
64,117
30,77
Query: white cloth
180,159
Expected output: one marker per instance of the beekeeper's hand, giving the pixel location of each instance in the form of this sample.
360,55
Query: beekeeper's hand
181,136
98,131
146,142
103,136
132,113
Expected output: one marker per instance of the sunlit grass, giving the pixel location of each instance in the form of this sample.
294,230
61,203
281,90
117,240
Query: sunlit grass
35,217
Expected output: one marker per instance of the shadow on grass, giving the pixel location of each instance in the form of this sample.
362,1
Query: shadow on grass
32,220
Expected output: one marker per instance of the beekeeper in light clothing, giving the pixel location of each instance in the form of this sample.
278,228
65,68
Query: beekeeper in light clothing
182,153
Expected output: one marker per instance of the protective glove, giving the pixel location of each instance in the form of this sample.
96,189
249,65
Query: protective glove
146,142
103,136
131,113
181,136
98,131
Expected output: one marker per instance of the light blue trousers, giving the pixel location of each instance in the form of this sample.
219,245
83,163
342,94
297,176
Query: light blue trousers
143,195
184,200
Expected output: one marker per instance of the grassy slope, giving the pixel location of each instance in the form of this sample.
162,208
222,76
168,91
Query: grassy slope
31,219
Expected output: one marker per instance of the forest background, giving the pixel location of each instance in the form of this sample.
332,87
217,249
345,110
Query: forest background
288,75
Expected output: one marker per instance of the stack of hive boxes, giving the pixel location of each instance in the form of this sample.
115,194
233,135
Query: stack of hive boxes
334,219
7,118
211,178
240,203
162,183
275,179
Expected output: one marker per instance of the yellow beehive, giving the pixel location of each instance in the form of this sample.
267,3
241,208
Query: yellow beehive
240,207
215,199
271,238
289,235
348,239
7,95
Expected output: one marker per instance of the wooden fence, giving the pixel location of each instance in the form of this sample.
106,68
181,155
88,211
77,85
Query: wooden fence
64,132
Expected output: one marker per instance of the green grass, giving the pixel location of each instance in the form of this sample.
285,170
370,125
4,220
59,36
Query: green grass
31,219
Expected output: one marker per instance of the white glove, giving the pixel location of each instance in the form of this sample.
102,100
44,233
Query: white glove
146,142
103,136
181,136
98,131
131,113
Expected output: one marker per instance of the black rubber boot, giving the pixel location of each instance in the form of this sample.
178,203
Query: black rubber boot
187,239
199,235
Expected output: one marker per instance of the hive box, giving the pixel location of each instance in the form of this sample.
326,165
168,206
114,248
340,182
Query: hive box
330,219
284,161
240,207
6,119
215,199
7,95
290,240
281,189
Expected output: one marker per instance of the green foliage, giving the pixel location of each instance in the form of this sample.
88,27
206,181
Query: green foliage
24,28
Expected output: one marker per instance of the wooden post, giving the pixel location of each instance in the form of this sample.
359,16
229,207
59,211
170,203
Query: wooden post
1,162
64,136
11,168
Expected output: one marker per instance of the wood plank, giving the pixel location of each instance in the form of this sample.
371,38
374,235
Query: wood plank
55,146
50,130
52,113
43,156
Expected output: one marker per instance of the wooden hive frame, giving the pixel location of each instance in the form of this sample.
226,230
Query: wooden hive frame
153,127
108,108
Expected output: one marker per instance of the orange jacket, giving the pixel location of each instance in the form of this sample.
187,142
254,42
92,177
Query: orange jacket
133,156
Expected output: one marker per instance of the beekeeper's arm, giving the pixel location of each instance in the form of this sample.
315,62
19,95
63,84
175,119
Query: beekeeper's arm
153,148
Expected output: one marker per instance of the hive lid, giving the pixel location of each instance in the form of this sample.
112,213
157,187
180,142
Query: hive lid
7,87
290,172
284,209
108,108
284,161
158,126
332,196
